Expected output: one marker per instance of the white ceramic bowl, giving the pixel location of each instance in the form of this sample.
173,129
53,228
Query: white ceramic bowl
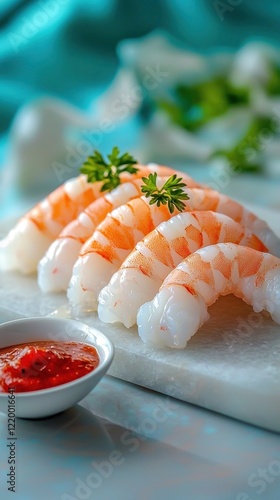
46,402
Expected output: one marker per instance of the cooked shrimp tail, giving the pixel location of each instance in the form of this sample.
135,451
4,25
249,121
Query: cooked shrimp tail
55,268
119,232
105,251
27,242
145,268
181,305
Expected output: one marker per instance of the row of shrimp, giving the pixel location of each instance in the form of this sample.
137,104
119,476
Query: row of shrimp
135,262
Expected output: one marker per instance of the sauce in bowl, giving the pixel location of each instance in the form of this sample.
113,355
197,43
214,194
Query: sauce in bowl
44,364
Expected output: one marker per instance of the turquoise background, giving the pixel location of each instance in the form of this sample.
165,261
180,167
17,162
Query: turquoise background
67,48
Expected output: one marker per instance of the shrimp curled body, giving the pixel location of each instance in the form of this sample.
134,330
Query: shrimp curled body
180,307
116,236
27,242
55,268
143,271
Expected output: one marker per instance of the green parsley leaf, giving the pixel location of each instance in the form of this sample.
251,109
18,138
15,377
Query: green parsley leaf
172,192
99,169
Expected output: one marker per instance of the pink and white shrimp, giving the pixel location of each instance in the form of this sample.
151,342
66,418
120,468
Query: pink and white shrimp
143,271
117,235
55,268
180,307
110,243
27,242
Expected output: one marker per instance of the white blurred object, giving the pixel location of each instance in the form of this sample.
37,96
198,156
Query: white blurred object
49,139
157,55
251,65
44,131
122,99
222,132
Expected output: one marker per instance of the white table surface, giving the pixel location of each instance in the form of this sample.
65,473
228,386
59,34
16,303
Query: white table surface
167,450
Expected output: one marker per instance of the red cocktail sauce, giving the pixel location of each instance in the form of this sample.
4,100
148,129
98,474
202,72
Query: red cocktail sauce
44,364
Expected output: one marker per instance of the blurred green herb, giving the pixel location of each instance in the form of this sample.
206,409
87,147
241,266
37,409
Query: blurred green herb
242,157
171,193
273,85
192,106
98,169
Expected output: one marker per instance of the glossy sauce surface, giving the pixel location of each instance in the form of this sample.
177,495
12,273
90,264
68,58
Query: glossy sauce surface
44,364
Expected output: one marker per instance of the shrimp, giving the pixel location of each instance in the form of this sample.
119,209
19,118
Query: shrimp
27,242
102,255
145,268
180,307
55,268
111,242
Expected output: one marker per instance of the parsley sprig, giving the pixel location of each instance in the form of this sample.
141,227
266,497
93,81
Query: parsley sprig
171,193
98,169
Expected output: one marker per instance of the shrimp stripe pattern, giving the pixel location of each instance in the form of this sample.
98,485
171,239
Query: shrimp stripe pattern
117,235
180,307
143,271
27,242
55,268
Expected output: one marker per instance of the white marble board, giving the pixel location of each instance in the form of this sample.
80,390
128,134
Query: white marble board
230,366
